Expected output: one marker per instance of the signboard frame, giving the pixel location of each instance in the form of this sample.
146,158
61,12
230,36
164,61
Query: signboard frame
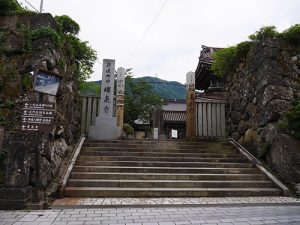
46,82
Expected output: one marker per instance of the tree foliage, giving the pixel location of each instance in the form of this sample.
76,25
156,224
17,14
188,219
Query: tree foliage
227,59
292,34
8,6
224,61
83,54
140,100
264,32
67,25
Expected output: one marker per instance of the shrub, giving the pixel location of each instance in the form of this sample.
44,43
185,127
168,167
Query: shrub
128,129
292,34
242,49
29,35
224,61
46,32
264,32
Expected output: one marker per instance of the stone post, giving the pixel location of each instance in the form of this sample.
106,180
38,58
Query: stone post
190,106
120,96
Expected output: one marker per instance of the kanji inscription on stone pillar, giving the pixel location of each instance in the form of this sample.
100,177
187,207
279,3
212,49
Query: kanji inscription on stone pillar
107,88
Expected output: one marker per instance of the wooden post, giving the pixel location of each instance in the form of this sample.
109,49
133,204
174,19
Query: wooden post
120,96
190,106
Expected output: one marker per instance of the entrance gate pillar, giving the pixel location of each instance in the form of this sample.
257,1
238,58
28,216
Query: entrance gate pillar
190,106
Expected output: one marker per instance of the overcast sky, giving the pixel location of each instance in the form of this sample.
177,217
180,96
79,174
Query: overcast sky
171,47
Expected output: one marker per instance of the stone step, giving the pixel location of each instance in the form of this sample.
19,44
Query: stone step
164,150
165,164
159,154
165,169
92,160
164,176
156,143
95,192
171,183
128,169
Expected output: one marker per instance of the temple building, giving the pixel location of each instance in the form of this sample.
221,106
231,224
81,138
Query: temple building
172,116
206,81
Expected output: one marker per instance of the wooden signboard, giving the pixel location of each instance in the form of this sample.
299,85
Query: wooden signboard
37,116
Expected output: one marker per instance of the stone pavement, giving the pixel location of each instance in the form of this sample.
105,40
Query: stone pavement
221,215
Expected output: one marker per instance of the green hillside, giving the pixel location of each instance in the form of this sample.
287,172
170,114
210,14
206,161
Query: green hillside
165,89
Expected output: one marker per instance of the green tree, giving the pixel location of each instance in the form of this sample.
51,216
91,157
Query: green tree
8,6
264,32
140,100
67,25
224,61
83,54
292,34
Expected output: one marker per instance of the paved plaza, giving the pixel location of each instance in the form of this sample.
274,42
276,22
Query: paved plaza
284,211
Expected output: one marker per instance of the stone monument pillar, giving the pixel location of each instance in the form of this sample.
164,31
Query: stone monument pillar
120,96
106,125
190,106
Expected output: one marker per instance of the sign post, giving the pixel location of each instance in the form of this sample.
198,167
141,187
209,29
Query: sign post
190,106
39,117
120,96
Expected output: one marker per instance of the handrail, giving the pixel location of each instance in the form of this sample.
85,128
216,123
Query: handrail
71,163
260,166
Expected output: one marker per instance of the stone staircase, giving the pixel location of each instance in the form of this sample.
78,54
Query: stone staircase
165,169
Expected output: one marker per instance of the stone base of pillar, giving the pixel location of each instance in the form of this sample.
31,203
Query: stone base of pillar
105,129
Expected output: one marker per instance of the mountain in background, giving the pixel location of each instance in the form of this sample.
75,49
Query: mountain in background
165,89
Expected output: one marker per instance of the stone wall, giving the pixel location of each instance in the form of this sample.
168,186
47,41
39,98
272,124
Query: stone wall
261,90
54,146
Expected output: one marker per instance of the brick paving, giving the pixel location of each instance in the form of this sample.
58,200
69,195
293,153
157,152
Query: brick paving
217,215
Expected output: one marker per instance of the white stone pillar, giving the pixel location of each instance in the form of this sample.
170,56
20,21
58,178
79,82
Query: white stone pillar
106,125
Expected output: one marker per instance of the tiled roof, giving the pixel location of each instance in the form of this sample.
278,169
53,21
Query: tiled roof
206,54
174,116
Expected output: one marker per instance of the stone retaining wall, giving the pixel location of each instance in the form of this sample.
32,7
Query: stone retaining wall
261,90
54,146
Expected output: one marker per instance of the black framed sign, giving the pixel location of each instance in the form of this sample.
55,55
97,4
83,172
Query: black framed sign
46,82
